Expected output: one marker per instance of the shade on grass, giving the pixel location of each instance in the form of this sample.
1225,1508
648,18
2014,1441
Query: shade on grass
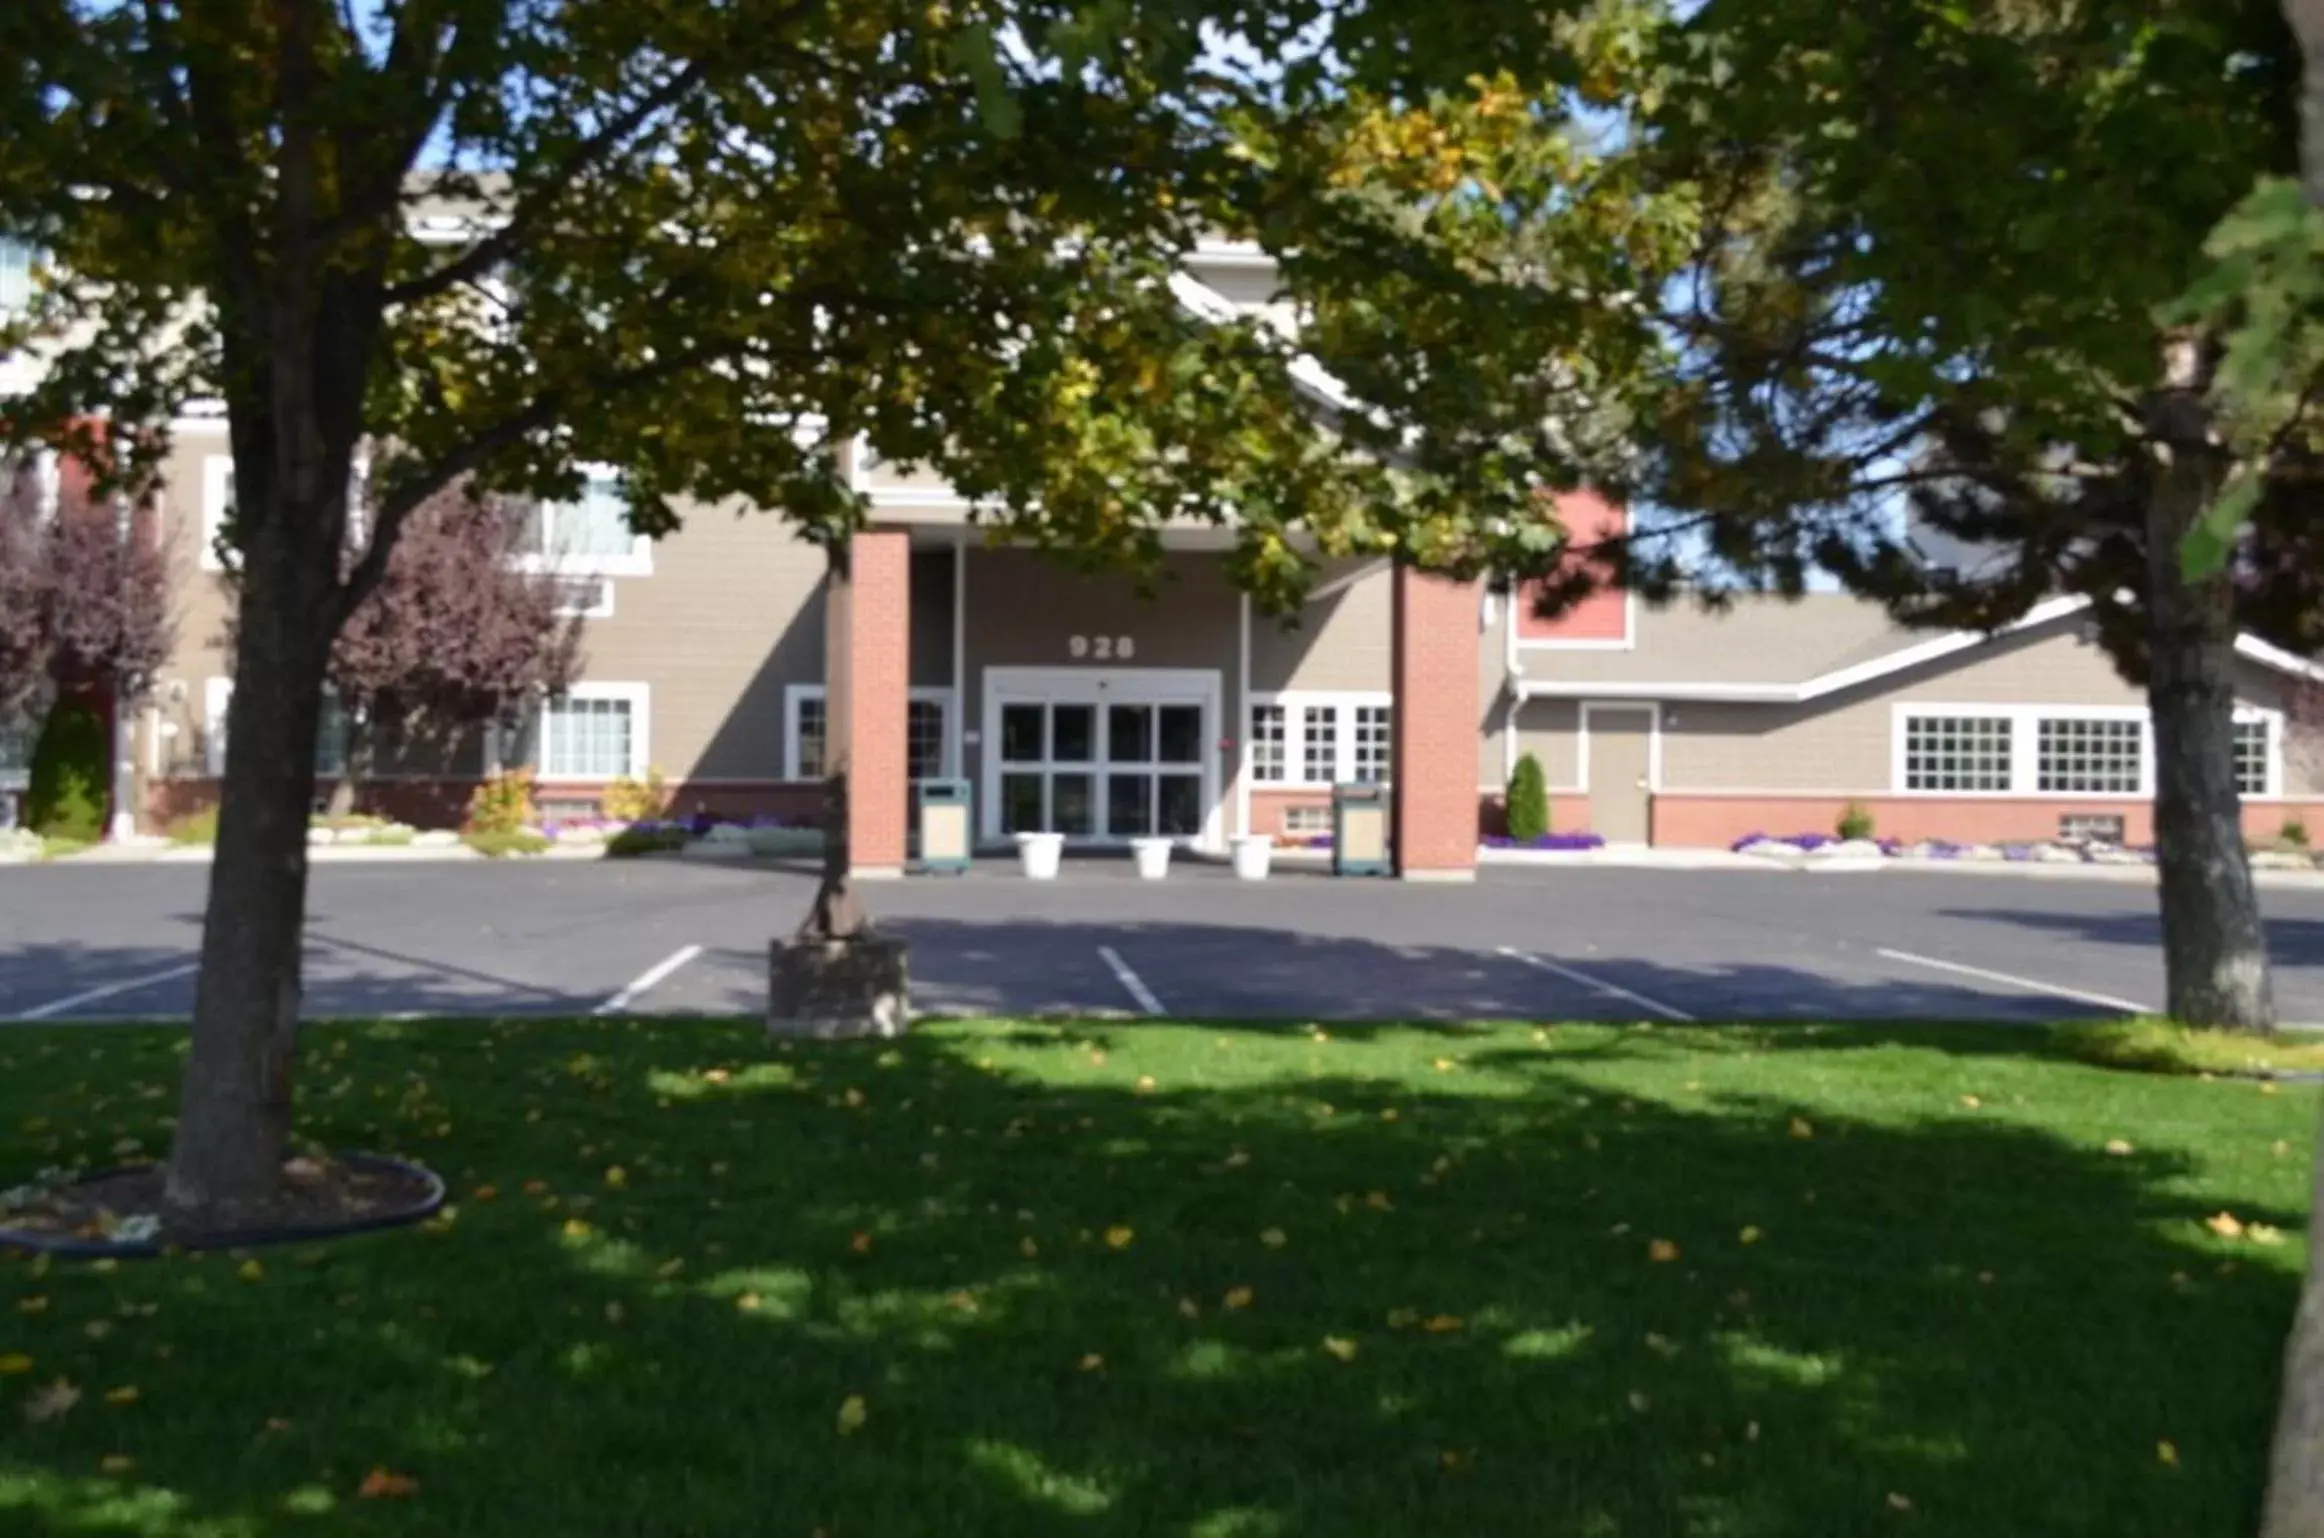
1019,1279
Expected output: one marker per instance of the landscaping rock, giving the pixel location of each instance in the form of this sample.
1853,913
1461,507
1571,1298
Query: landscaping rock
1982,852
18,846
1768,848
436,838
2057,854
320,836
2112,856
1849,849
2280,859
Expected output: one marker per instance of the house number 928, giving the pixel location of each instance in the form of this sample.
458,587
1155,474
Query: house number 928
1103,648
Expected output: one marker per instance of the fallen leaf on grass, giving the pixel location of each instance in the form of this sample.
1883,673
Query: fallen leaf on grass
1802,1127
1145,1084
483,1193
2225,1224
577,1229
1898,1502
1750,1234
860,1242
1662,1251
1340,1347
2167,1453
116,1463
32,1305
1120,1236
749,1303
51,1402
1971,1102
1190,1309
386,1485
1274,1238
1443,1324
1378,1201
2118,1147
124,1395
1239,1297
251,1271
617,1177
2261,1233
852,1414
1093,1362
1027,1248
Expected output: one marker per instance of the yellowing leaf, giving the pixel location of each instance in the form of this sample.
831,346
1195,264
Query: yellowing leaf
1898,1502
2225,1224
33,1305
1093,1362
1378,1201
384,1485
124,1395
1145,1084
2261,1233
2117,1147
251,1271
1802,1127
852,1414
1971,1102
1274,1238
116,1463
576,1229
483,1193
1239,1297
617,1177
1190,1309
1340,1346
1443,1324
1027,1248
1120,1236
1661,1251
1750,1234
860,1242
2165,1452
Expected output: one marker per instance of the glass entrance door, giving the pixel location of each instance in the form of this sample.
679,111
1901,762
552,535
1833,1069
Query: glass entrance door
1101,771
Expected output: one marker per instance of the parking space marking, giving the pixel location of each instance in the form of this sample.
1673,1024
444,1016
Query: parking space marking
2102,1000
72,1001
1595,984
1131,982
647,979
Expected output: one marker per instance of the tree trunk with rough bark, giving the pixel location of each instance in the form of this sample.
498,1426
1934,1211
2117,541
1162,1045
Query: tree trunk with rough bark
354,767
2214,949
235,1108
2307,22
836,913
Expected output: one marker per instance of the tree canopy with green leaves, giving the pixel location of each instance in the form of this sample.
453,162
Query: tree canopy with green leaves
712,242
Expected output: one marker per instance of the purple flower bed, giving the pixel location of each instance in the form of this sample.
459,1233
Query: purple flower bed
1567,841
1800,841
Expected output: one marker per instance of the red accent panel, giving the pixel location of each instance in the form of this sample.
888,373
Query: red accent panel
1603,616
867,664
1435,724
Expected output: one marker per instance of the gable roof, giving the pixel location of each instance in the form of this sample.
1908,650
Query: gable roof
1789,652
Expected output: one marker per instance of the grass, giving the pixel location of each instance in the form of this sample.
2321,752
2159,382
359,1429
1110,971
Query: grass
57,846
1211,1281
2159,1046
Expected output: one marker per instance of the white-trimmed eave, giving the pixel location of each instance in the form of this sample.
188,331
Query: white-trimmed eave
2261,652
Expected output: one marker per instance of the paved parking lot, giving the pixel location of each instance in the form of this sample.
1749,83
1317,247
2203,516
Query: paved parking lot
690,938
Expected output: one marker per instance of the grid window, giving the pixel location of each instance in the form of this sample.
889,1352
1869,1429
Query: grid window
1306,821
1956,753
595,526
1270,760
331,738
2088,757
808,730
585,739
1319,740
1372,743
2251,756
923,739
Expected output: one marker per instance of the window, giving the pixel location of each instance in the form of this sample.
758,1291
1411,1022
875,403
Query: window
927,733
589,534
15,275
1956,752
2253,741
16,733
331,738
1306,821
1269,763
1321,739
597,732
2089,756
1373,744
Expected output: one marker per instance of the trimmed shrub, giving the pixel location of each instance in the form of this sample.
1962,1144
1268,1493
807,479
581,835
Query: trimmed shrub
503,804
2294,832
195,827
1528,800
628,800
1855,822
66,797
499,844
647,838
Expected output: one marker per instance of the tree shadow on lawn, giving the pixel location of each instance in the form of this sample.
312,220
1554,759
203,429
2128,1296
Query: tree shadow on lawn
1025,1252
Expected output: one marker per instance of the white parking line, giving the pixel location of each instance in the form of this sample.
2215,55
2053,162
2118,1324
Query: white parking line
1131,982
1597,984
2102,1000
646,980
55,1007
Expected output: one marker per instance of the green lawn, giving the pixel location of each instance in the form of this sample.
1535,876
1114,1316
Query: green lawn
1159,1279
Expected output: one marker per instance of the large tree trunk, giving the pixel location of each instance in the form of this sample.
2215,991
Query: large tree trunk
2214,949
235,1108
2307,22
836,913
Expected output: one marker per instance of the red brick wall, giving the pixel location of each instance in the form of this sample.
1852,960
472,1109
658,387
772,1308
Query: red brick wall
1435,725
444,803
868,664
1569,812
1603,616
1713,820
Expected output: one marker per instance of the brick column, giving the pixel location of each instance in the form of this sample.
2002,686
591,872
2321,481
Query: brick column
867,675
1435,724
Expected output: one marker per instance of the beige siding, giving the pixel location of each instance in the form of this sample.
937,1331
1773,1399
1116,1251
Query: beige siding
1339,640
732,612
1551,731
199,601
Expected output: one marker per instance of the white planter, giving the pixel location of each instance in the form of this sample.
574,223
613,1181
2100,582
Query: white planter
1253,852
1039,853
1153,857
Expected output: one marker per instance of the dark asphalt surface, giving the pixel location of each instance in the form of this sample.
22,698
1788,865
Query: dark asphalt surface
565,937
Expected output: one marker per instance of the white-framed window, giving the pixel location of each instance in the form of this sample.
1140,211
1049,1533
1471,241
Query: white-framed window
2090,755
1270,764
16,263
217,502
1957,753
927,733
589,535
1303,738
594,731
584,597
2059,751
1306,821
330,731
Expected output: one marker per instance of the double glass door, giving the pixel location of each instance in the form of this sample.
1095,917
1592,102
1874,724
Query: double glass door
1098,770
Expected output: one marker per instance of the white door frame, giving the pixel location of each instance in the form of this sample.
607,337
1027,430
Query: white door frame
1653,709
1101,686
